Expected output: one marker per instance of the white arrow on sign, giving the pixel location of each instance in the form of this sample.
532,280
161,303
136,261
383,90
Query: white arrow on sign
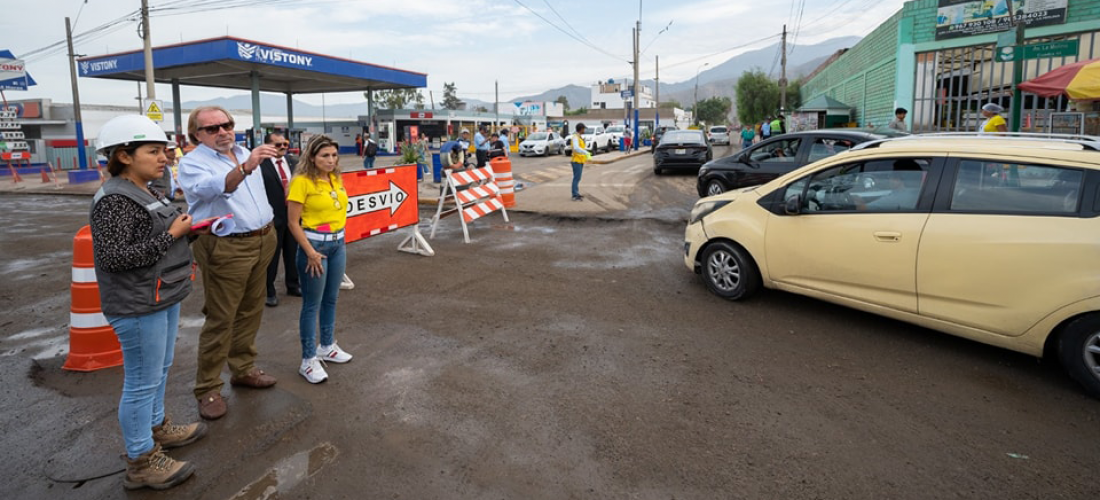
391,198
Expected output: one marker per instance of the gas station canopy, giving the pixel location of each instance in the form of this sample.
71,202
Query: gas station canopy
235,63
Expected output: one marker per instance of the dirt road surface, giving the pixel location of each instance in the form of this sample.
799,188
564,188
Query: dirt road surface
566,354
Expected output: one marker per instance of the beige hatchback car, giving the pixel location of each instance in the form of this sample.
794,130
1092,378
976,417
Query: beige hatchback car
995,239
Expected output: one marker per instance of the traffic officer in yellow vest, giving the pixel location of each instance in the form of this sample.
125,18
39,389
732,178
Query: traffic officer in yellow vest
580,157
777,126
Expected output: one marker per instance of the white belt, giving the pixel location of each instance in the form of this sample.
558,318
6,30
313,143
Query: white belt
315,236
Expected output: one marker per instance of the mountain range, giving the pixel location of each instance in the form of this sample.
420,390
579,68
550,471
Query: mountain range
718,80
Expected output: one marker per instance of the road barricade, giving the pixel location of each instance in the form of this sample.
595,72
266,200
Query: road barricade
475,194
381,200
92,342
502,174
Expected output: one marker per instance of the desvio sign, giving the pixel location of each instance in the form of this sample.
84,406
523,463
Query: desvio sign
380,200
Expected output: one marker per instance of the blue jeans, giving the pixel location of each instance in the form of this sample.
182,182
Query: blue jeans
577,168
148,343
319,294
368,162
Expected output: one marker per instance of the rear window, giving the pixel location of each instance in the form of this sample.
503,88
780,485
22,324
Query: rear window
984,186
718,130
682,136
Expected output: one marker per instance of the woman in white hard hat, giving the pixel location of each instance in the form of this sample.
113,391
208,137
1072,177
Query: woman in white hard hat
143,267
994,122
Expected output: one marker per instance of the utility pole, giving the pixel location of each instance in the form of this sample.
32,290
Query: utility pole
83,153
783,75
637,86
1017,70
657,97
141,106
496,103
150,90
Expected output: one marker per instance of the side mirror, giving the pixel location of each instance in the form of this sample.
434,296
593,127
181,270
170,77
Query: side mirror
743,158
793,205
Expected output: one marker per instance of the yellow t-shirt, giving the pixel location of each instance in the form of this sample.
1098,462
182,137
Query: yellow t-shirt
324,206
994,122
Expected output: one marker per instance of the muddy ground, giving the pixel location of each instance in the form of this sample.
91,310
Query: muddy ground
553,357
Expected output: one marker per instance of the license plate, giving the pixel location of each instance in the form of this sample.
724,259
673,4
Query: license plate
681,151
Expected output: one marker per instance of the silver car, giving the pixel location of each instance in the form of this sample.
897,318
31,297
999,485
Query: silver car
542,144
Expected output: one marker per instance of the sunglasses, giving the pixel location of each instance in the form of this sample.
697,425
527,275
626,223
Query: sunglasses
281,144
335,199
213,129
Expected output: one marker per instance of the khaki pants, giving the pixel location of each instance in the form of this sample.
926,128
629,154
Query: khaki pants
234,274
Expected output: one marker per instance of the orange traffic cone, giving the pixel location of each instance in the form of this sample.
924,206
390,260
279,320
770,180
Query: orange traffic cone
502,175
92,342
45,176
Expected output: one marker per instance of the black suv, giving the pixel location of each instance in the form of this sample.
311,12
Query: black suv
778,155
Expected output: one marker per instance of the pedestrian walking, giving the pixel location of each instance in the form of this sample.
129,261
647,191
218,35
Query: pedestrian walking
422,154
580,157
899,120
317,205
143,268
994,122
217,180
370,152
277,172
747,135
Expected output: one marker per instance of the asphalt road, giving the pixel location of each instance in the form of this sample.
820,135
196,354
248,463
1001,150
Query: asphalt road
566,354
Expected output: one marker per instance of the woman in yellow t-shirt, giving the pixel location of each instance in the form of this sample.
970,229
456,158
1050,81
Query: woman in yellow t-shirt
994,122
317,212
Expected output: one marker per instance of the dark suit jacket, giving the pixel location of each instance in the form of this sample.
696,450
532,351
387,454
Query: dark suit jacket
274,187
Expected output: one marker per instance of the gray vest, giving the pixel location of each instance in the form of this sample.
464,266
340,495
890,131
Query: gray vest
144,290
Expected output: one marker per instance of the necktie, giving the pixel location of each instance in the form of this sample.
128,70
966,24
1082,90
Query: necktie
282,173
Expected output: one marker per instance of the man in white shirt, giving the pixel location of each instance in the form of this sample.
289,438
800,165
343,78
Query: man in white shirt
217,180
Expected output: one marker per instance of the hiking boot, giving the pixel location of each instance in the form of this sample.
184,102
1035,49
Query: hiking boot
333,354
155,470
312,370
169,435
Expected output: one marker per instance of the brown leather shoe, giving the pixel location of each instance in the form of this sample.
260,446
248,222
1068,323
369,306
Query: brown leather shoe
212,406
256,379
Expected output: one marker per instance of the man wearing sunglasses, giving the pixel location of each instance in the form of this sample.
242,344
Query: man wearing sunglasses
217,179
277,172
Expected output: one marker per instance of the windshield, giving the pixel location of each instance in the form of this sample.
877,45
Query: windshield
615,129
537,136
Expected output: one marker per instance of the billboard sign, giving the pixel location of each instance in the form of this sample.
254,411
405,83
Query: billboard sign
959,18
13,72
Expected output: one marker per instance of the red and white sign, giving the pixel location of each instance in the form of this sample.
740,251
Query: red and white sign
420,114
12,68
380,200
15,156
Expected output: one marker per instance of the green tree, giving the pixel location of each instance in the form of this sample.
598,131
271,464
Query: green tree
576,112
481,109
794,95
450,97
757,96
398,98
670,104
564,102
715,110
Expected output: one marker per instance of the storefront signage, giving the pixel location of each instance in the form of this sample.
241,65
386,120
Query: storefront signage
959,18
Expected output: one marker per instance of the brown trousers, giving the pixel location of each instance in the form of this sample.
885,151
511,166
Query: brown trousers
234,274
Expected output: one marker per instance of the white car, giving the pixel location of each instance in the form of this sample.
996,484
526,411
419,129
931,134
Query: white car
719,135
542,144
616,133
595,139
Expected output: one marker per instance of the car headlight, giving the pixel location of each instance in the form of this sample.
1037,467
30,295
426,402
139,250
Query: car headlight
704,208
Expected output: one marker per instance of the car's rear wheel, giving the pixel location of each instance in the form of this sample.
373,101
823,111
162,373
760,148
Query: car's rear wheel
729,272
715,187
1079,351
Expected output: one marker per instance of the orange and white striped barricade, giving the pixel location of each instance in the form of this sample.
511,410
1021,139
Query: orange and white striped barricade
502,173
93,344
479,196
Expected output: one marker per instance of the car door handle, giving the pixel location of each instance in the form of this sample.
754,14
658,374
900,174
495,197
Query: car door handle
888,236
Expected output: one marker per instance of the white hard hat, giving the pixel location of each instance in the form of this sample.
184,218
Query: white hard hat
126,129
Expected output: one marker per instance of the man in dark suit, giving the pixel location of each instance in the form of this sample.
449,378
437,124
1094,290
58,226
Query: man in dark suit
277,172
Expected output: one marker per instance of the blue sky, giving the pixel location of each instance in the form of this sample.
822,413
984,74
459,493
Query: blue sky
472,43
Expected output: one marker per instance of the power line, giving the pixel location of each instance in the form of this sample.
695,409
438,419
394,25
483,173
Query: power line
723,51
552,9
570,35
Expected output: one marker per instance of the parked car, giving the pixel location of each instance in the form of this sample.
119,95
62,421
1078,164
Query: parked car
990,239
681,149
657,134
719,135
542,144
595,139
616,134
769,159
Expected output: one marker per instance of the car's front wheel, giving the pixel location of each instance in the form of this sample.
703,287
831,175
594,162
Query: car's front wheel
1079,352
715,187
729,272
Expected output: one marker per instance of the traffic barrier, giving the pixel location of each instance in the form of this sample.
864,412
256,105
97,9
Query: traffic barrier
476,195
92,342
502,174
15,178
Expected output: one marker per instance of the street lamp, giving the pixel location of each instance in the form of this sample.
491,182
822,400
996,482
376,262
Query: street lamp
695,107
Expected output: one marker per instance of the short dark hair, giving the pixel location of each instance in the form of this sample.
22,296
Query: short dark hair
580,127
268,136
900,111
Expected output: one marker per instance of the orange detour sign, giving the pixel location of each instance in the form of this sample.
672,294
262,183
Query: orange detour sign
383,200
476,195
92,341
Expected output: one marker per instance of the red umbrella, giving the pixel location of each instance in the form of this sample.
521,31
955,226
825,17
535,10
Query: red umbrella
1079,81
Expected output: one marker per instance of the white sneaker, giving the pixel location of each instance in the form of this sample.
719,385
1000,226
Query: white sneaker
347,283
313,370
333,354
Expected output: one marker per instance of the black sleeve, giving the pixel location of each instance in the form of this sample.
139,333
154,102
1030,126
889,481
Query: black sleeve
119,235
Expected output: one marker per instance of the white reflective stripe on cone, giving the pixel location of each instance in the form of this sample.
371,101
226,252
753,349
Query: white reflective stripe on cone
84,275
88,320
